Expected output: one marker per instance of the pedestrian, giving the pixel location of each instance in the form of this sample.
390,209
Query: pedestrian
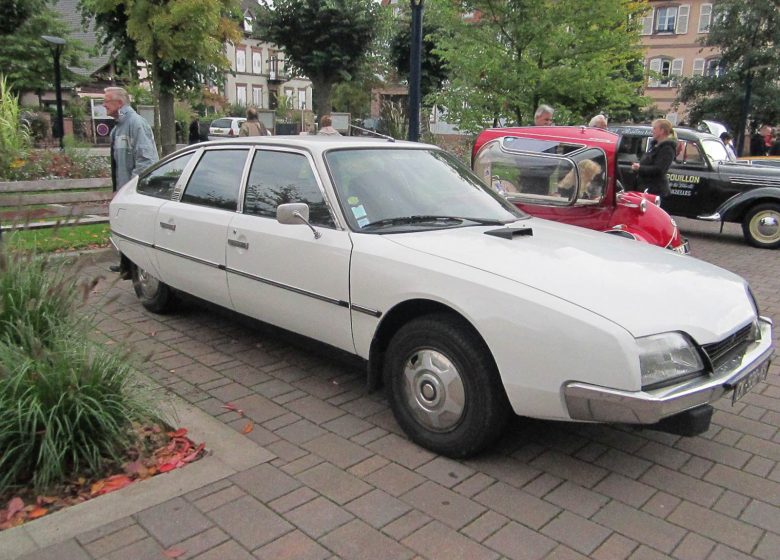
543,115
326,127
195,130
654,164
761,141
775,149
252,125
132,142
727,141
599,121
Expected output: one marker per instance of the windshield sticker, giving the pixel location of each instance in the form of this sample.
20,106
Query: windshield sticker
359,212
353,201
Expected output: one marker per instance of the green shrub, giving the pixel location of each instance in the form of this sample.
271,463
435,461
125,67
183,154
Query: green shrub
14,135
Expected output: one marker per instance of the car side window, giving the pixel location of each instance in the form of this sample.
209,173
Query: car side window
280,178
216,180
160,182
689,153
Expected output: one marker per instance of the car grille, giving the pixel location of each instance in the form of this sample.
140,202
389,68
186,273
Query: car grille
723,351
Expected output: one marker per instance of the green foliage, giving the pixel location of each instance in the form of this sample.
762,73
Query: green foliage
14,135
66,403
525,52
27,60
54,240
326,40
73,163
393,115
747,34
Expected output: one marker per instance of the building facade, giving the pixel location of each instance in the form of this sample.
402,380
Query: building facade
671,34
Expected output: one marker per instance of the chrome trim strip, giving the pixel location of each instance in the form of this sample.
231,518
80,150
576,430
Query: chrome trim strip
603,404
320,297
710,218
131,239
190,257
366,310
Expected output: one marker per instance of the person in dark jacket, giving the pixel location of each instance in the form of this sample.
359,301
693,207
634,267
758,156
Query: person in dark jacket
654,164
195,131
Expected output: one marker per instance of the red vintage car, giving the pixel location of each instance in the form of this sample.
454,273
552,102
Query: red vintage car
569,174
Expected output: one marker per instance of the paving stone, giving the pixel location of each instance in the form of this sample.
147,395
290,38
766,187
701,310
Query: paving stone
347,426
445,471
542,485
315,410
616,547
229,392
258,408
173,521
265,482
337,450
763,515
506,469
520,543
718,527
768,547
245,375
117,540
714,451
647,553
591,451
438,542
623,463
661,504
517,505
293,500
577,499
401,451
358,541
318,516
201,543
625,489
249,522
339,486
302,464
301,431
731,504
406,524
682,485
745,483
70,549
693,547
377,508
364,438
221,497
292,546
104,530
697,467
372,464
723,552
759,466
273,388
197,374
569,468
146,548
364,407
229,550
474,484
640,526
282,422
394,479
577,532
443,504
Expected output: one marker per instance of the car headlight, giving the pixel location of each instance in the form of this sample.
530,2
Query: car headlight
667,358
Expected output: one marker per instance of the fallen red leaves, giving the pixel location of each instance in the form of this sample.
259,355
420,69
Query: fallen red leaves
160,452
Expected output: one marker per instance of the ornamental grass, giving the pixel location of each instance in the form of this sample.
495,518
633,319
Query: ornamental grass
67,404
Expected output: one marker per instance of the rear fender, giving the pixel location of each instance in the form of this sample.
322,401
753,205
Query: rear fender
735,208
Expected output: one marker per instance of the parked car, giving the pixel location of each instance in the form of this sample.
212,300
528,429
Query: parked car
569,174
706,186
467,308
226,126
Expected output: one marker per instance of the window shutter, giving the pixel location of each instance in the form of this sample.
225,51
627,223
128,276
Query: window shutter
647,23
655,69
682,19
698,66
705,17
676,70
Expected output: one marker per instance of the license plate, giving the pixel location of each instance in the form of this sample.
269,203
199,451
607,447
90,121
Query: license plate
744,385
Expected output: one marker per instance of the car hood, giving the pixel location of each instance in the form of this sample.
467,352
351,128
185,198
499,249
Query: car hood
750,174
645,289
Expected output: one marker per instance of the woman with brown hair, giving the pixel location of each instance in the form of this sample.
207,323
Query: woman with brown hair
654,164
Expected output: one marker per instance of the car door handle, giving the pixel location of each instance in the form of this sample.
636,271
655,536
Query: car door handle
239,244
166,225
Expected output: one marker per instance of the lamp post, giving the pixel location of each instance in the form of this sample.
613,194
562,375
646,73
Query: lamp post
58,43
415,58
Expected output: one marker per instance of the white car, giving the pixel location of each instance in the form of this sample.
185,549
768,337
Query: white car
226,126
465,307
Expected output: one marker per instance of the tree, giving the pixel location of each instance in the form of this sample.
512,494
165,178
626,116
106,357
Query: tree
182,41
325,40
509,56
25,58
747,34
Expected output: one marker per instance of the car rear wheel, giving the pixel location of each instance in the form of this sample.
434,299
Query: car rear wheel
444,387
156,296
761,226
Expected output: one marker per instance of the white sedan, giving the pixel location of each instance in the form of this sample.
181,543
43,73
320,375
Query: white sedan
463,306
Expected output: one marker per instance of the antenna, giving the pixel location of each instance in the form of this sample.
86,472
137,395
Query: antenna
375,133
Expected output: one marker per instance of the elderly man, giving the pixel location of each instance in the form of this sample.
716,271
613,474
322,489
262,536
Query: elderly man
599,121
543,115
132,142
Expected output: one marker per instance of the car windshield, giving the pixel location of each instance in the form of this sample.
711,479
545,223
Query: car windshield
221,123
715,150
390,190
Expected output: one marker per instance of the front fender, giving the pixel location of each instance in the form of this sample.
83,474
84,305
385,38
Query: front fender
735,208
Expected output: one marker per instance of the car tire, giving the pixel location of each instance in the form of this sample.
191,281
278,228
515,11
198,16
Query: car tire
761,226
444,387
155,295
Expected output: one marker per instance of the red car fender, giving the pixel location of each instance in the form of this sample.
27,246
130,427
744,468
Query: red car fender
637,214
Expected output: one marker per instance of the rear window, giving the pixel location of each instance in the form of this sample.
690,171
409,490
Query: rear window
221,123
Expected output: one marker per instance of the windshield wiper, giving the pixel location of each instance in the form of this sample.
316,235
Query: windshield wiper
406,220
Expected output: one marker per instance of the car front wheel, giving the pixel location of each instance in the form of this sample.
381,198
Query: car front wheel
761,226
156,296
443,386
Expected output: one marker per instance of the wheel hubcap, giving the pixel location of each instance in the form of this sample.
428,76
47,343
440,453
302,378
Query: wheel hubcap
765,226
148,283
433,390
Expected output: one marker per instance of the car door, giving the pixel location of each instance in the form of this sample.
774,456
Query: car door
284,274
689,180
191,233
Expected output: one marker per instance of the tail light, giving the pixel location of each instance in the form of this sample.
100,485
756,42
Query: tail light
230,132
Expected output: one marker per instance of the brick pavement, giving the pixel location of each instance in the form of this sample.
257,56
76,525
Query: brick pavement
347,484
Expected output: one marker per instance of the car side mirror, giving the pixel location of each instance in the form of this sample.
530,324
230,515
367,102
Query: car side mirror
295,213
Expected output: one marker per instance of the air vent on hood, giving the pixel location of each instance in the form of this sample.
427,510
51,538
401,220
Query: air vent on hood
509,233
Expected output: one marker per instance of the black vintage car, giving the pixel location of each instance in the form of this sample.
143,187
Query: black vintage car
706,186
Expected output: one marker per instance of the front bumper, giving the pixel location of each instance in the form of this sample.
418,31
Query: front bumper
601,404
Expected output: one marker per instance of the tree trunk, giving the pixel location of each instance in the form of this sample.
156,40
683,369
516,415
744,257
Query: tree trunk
322,91
167,121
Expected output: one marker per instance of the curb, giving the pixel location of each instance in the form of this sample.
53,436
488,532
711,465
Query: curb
229,452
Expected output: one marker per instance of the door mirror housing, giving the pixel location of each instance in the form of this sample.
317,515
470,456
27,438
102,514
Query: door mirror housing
292,213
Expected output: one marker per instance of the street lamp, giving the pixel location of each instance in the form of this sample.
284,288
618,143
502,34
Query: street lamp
415,58
58,43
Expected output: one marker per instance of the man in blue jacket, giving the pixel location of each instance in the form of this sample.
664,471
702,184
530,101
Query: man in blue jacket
132,142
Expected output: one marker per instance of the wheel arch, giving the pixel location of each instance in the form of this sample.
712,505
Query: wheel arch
394,319
736,208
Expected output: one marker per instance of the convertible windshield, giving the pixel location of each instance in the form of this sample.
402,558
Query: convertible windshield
401,189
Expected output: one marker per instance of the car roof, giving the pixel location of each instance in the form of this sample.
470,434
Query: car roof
682,133
586,135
